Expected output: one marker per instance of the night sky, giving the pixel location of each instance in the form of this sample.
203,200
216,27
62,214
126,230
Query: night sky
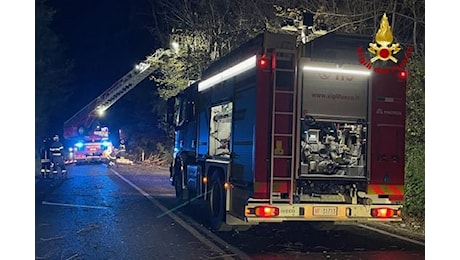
105,39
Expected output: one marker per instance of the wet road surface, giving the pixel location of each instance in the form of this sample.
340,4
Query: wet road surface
93,214
130,213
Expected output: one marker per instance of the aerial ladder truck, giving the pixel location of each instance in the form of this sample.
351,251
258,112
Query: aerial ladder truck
89,140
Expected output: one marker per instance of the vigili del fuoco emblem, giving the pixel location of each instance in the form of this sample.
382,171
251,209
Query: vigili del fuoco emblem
384,48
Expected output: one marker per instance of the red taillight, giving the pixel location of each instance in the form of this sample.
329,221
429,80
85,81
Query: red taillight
263,62
402,74
383,213
266,211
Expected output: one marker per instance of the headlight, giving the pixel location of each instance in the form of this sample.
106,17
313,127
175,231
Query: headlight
106,144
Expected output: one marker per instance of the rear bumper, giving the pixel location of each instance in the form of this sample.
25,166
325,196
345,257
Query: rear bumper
323,212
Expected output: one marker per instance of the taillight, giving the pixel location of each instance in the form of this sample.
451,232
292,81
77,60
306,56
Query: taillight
263,62
402,74
383,213
266,211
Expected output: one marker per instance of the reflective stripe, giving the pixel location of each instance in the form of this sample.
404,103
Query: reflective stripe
385,189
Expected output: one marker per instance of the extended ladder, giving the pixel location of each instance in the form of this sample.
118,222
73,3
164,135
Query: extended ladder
87,115
282,166
123,85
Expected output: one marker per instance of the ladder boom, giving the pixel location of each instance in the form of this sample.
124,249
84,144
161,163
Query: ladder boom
88,114
123,86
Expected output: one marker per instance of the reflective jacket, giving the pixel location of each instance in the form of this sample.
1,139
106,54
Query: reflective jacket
56,149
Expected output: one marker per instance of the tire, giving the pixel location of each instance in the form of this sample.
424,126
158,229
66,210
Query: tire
181,193
217,204
178,188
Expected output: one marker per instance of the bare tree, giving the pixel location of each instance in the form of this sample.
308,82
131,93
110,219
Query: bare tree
204,30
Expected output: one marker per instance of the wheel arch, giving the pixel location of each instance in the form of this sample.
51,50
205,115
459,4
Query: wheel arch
182,159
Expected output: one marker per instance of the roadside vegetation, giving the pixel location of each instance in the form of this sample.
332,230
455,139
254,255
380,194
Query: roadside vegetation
414,203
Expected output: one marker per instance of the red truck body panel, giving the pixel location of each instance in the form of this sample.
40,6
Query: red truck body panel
388,120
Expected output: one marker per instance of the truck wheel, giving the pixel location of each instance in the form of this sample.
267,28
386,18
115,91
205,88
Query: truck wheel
181,193
178,187
217,204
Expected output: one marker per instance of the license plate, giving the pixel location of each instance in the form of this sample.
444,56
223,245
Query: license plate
325,211
292,212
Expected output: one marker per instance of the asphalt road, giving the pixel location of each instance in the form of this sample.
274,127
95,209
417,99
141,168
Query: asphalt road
94,214
129,213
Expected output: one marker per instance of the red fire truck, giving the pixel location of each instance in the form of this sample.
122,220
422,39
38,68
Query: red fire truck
280,131
89,139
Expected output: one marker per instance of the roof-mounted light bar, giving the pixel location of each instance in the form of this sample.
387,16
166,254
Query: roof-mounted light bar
228,73
338,70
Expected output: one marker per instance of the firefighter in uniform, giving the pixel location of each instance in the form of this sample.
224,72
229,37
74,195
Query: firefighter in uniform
122,149
57,156
45,161
111,156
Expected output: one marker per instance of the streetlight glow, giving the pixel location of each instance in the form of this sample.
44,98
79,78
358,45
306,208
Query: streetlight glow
175,46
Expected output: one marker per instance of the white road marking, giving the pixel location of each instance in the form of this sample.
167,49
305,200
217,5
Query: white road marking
393,235
178,220
73,205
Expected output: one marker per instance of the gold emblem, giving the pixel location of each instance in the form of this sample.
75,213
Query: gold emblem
384,49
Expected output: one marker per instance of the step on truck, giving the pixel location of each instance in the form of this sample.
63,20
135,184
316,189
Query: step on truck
279,131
